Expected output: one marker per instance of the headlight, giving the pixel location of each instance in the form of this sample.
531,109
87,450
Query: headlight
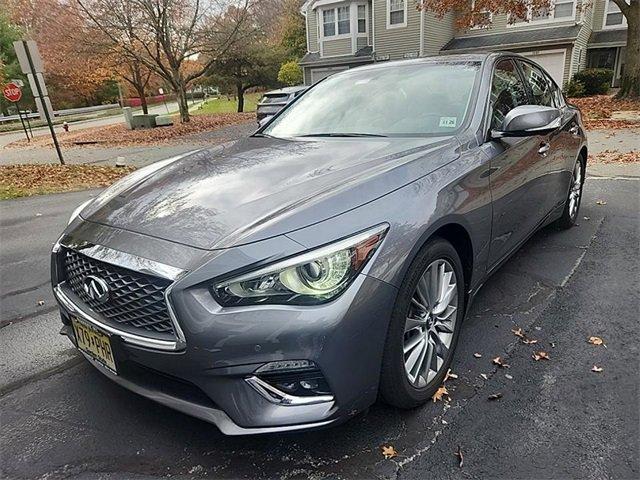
311,278
77,211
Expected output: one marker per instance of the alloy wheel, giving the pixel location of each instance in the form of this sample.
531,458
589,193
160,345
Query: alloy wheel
576,190
430,323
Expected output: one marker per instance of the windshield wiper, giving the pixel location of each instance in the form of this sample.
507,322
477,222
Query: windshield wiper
342,135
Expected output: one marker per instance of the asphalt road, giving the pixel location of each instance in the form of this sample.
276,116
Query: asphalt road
556,418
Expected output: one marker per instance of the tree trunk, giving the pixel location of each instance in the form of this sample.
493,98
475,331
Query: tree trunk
630,83
143,99
240,90
183,106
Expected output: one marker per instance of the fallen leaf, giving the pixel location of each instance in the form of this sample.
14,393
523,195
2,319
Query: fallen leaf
495,396
458,453
597,369
477,355
553,344
484,375
440,393
596,341
508,377
518,332
498,361
389,452
40,302
587,218
600,202
449,375
529,341
540,356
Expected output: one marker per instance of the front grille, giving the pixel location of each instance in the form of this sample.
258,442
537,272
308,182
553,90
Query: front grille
135,299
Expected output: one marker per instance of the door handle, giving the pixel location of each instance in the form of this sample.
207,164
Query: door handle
575,130
544,148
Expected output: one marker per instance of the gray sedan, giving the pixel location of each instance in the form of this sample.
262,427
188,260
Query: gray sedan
288,281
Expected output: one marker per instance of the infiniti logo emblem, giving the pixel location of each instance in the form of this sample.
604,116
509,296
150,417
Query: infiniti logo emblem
96,288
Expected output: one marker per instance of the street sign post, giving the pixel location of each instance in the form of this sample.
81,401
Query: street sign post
32,65
13,93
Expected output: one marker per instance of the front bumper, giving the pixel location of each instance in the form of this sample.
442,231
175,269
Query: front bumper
209,377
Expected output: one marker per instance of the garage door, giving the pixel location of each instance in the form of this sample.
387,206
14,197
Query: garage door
318,74
552,62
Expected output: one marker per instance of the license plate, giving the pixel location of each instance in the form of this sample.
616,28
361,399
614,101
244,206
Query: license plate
94,343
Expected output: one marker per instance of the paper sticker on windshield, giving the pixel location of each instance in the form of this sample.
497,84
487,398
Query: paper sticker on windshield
448,122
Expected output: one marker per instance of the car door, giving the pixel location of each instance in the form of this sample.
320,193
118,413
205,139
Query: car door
516,212
549,172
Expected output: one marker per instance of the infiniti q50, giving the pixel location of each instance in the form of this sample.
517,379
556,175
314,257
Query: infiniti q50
289,280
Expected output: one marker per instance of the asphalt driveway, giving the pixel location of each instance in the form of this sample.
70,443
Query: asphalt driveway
555,419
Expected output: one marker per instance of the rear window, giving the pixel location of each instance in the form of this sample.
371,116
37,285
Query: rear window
275,98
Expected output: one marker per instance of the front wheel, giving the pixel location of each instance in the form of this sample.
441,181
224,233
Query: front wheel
572,204
424,326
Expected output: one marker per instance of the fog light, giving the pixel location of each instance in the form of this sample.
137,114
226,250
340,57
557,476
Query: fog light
309,384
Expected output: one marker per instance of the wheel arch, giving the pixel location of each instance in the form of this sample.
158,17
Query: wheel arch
454,231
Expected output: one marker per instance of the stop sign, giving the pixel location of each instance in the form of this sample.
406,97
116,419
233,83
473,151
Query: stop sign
12,92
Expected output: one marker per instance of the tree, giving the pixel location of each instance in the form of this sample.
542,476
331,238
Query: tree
253,62
169,36
293,30
630,84
290,73
477,16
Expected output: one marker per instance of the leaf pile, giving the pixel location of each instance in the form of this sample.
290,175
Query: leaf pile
119,136
597,110
614,156
27,180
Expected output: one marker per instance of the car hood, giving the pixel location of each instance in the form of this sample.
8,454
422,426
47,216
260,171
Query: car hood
260,187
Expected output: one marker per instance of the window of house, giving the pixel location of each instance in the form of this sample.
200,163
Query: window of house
481,18
343,20
557,10
362,19
397,12
614,17
507,92
329,23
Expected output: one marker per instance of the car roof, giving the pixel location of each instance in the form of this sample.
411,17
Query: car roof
294,89
451,58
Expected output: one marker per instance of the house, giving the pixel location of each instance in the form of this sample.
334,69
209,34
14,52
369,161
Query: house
572,35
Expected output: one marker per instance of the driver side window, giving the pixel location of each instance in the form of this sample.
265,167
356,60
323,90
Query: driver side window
542,89
507,92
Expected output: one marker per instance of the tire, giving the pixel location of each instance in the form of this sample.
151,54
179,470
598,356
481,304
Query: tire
401,385
571,210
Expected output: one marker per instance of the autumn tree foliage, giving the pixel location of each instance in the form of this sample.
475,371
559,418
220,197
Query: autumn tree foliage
169,37
74,75
476,13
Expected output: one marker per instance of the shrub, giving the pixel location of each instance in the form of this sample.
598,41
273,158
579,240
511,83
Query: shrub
574,89
290,73
596,81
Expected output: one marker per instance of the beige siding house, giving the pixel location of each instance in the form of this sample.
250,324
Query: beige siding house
572,35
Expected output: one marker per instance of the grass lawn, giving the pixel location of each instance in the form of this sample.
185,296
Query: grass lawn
222,105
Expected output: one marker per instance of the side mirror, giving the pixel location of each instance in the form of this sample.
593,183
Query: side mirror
527,120
264,121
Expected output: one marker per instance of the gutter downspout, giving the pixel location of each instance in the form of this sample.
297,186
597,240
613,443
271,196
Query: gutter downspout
373,28
421,54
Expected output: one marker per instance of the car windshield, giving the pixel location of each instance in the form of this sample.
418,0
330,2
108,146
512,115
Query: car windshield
401,100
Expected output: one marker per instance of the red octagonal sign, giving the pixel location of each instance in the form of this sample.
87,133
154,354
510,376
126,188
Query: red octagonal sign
12,92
